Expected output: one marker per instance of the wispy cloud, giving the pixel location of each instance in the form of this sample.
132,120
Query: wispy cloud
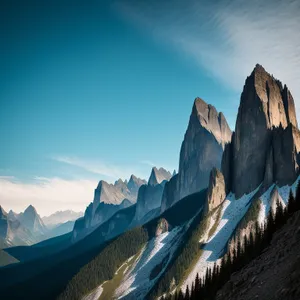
97,167
227,38
47,195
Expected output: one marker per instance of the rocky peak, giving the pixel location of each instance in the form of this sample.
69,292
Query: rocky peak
3,213
266,141
201,150
212,121
110,193
158,176
30,211
119,182
276,103
12,215
134,183
32,221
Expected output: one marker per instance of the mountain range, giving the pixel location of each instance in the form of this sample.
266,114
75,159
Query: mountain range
151,240
28,228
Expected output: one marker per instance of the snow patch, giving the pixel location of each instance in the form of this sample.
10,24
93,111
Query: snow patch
136,283
232,212
283,192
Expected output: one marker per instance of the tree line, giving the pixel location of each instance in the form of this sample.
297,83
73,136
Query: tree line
245,251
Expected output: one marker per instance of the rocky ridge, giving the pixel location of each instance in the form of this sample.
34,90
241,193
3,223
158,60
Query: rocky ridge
201,150
150,195
108,199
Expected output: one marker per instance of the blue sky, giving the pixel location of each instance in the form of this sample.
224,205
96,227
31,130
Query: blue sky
104,90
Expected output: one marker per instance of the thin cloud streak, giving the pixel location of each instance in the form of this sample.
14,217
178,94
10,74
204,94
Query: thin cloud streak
97,167
227,38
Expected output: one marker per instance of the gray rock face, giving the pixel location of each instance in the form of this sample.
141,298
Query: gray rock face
134,184
149,198
266,141
32,221
13,233
216,190
108,199
158,176
201,150
150,195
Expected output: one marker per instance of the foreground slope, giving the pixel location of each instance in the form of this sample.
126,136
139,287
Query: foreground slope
275,274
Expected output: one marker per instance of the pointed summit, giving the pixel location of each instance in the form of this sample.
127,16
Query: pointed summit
134,184
201,150
32,221
266,141
12,215
158,176
212,121
30,210
3,213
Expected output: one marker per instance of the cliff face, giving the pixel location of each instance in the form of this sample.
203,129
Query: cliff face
266,141
216,190
108,199
201,150
150,195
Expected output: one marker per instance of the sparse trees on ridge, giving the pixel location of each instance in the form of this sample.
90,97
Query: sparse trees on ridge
243,253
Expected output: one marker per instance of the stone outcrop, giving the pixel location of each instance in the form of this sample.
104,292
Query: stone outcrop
266,141
201,150
162,227
150,195
216,190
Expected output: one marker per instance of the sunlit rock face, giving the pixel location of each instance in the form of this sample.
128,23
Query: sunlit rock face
201,150
108,199
266,140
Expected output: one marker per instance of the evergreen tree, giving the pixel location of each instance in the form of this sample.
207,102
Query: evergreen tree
291,206
187,293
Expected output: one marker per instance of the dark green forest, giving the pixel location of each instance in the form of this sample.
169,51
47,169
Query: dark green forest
103,267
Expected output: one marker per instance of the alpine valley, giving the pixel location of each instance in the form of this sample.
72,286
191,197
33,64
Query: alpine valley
225,226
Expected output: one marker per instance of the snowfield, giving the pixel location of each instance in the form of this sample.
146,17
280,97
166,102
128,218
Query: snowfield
232,212
136,282
283,192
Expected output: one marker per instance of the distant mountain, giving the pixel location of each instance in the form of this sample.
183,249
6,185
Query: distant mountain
60,229
108,199
12,215
158,176
150,195
32,221
60,217
13,233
